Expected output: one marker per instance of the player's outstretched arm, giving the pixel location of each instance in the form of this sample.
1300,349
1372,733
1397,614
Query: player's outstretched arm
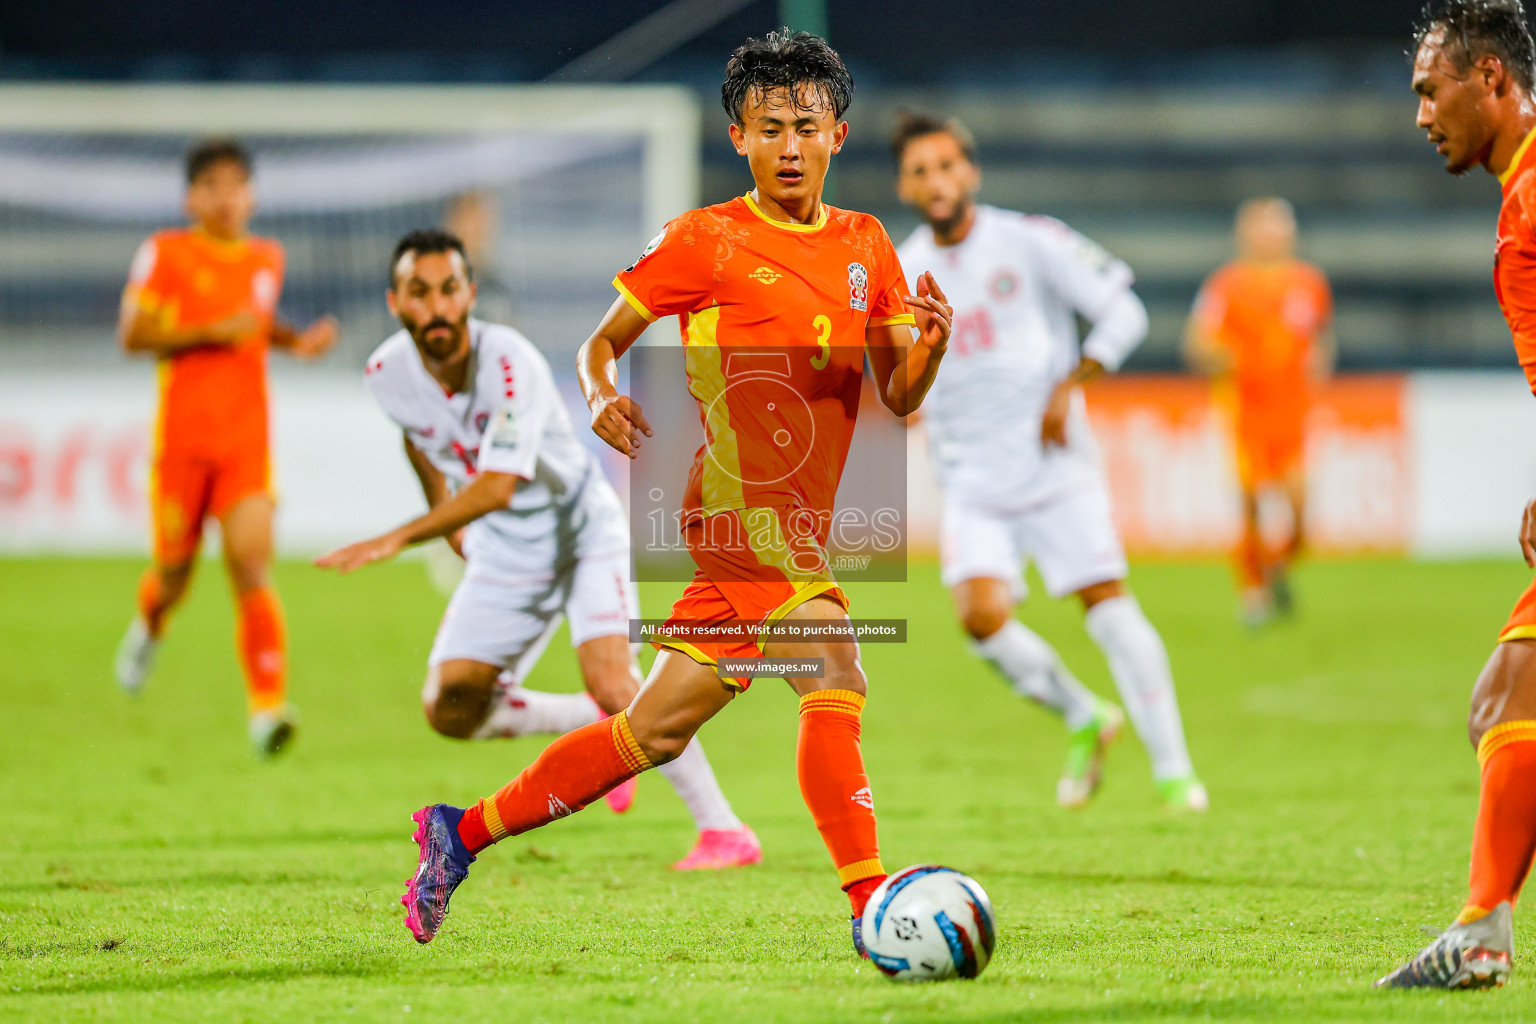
616,418
905,367
434,487
486,493
312,342
141,331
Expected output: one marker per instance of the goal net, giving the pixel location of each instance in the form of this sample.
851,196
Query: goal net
552,188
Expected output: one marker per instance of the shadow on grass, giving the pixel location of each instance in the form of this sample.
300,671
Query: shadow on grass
1175,878
207,980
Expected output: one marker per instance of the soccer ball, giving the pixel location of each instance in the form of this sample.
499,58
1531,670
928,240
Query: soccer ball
928,923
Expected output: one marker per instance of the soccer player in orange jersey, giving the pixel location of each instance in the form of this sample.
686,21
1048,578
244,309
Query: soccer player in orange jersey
1261,328
1474,69
203,301
778,274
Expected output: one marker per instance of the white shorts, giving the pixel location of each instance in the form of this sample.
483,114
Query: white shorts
508,623
1070,536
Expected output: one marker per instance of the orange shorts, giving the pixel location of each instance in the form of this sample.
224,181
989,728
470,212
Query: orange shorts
186,489
1269,457
1522,621
752,571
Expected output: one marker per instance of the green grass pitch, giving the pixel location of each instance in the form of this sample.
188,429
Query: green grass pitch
149,870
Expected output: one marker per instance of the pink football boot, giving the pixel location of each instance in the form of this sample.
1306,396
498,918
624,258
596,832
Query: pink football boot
722,848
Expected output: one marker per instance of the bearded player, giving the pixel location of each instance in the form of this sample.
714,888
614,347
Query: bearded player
1260,329
1473,70
541,530
1016,458
774,273
203,301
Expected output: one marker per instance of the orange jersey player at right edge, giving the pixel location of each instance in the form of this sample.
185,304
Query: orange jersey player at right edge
203,301
1474,70
1261,330
774,277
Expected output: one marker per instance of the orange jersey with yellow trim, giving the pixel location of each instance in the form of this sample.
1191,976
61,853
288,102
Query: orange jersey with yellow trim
1269,317
772,317
1514,261
213,398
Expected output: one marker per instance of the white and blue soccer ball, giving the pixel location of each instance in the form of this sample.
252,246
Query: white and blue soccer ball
928,923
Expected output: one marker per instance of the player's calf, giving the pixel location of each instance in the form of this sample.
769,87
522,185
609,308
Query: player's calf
1505,689
609,672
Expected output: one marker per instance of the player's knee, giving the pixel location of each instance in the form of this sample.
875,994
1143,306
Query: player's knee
661,742
173,581
247,574
981,621
843,671
455,707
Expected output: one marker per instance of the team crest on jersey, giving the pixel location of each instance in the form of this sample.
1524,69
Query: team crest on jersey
1003,284
650,247
858,287
482,420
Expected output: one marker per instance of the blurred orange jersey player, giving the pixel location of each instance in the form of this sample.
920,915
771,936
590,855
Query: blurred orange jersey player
203,301
1261,328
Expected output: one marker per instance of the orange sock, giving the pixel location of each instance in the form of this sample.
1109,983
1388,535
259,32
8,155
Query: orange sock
152,608
836,790
1504,838
573,771
263,642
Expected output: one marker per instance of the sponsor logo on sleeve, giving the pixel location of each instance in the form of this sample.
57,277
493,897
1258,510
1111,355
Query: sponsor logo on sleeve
504,430
858,287
650,247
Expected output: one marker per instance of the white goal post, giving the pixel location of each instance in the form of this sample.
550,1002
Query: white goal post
667,117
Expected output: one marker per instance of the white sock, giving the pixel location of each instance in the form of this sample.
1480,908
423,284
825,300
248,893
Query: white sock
1034,670
1139,662
519,711
694,780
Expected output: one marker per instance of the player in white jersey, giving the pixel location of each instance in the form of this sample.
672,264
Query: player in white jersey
1017,460
541,530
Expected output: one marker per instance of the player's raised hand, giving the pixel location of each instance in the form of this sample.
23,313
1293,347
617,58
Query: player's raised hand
932,311
364,552
1528,534
617,419
316,340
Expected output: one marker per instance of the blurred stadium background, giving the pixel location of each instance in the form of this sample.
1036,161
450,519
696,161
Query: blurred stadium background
557,145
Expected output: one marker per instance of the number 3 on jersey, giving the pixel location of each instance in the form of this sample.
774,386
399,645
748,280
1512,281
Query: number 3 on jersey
823,324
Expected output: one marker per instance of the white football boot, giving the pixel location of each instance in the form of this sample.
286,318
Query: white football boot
272,731
135,657
1479,954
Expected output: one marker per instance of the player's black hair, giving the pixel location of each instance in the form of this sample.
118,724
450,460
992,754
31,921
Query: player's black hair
911,125
1478,28
424,242
209,152
798,62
